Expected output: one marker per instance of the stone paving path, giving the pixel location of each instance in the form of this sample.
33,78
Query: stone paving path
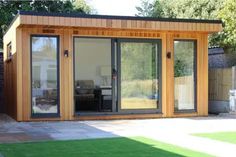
175,131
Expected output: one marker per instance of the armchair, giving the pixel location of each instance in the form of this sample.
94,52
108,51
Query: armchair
87,97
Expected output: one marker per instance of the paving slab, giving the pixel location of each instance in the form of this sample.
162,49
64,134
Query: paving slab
177,131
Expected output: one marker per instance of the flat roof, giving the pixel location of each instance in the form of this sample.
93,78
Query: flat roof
131,22
81,15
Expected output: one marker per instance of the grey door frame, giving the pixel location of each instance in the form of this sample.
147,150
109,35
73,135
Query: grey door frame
159,52
46,115
116,65
195,76
113,50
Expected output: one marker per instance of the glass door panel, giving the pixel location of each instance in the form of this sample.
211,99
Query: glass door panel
92,75
139,75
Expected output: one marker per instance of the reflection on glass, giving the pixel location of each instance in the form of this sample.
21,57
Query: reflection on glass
44,75
184,74
139,73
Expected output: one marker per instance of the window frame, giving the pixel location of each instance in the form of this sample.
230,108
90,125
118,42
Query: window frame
158,42
195,42
115,54
46,115
114,106
9,51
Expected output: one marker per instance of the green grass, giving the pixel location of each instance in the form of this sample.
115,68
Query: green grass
221,136
109,147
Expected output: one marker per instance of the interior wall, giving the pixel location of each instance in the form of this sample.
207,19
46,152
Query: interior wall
91,57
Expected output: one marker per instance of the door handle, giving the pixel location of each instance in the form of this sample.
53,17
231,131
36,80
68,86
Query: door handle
114,74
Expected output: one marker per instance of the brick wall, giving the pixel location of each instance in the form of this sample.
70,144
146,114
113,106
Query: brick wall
1,82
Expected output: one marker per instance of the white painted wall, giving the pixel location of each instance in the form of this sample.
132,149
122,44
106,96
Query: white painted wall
90,56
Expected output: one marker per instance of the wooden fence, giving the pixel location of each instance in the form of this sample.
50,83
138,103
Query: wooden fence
221,81
184,91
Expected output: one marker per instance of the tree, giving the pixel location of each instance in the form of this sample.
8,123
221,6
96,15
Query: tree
149,9
82,6
198,9
8,9
204,9
228,16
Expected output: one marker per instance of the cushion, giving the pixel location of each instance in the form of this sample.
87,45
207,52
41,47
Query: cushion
81,91
85,87
85,84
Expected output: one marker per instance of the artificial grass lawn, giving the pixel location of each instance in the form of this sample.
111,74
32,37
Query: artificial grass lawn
109,147
221,136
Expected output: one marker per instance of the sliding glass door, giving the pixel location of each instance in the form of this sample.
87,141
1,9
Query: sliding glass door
139,75
92,75
45,75
117,75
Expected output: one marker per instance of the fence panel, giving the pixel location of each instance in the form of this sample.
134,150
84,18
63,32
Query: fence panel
220,82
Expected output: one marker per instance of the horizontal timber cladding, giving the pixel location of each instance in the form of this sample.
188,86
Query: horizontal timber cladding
116,33
120,24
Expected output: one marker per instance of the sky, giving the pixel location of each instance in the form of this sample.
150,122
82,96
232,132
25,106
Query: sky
115,7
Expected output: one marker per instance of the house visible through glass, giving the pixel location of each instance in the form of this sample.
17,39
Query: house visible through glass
44,75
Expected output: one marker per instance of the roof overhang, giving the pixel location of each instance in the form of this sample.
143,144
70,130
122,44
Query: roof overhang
30,18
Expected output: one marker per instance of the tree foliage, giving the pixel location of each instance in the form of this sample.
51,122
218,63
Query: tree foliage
228,16
183,58
82,6
8,9
139,69
197,9
139,61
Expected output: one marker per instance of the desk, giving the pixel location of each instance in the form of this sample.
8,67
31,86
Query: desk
99,100
106,98
88,101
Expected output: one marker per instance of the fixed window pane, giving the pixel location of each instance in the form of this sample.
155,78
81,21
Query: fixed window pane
44,74
184,73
